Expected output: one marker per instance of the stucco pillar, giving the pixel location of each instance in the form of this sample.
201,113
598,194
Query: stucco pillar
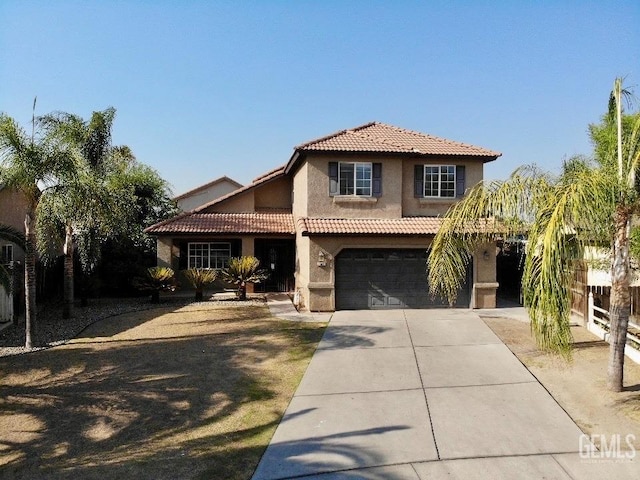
485,285
247,250
163,248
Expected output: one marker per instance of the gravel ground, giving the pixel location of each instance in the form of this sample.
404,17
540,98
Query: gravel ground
53,330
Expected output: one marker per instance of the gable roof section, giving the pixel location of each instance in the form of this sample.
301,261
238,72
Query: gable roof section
376,137
208,185
226,223
267,177
369,226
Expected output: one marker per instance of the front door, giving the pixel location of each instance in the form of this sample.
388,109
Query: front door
277,256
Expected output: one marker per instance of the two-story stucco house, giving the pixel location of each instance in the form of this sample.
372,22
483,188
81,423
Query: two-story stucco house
347,221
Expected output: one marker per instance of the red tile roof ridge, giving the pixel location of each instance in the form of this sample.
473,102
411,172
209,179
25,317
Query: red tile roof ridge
304,145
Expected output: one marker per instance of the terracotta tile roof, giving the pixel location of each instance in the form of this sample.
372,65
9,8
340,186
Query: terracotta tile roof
369,226
379,137
271,175
226,223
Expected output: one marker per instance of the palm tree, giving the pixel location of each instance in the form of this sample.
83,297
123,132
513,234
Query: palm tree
243,270
29,163
84,203
9,234
590,203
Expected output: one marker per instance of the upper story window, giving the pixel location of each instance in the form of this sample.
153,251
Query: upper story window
354,179
362,179
439,181
209,255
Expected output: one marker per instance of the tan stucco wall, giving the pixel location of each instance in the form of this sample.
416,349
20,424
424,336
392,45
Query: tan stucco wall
243,203
320,204
164,247
484,277
412,206
274,194
13,207
207,195
300,191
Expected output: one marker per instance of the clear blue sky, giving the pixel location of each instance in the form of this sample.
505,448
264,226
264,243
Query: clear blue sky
206,88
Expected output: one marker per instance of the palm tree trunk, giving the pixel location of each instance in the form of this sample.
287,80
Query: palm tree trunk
67,309
620,308
29,279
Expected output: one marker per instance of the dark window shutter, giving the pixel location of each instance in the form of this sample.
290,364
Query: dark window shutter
236,247
376,180
418,180
333,178
184,256
460,182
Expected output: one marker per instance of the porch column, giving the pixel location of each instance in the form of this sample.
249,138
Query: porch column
248,250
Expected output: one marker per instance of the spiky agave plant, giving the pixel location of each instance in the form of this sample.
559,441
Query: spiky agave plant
156,280
200,278
243,270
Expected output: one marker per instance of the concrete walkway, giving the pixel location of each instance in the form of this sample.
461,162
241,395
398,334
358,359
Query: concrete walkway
424,394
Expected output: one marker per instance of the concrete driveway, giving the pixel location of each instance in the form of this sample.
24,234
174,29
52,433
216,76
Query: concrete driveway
424,394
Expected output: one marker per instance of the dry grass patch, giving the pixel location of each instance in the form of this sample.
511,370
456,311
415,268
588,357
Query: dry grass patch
190,392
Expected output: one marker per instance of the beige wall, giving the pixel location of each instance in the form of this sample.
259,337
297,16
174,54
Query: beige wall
320,204
311,186
274,194
206,195
412,206
243,203
301,191
13,207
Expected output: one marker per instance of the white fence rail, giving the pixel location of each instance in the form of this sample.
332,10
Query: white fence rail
598,324
6,306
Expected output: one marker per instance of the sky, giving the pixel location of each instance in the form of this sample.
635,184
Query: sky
211,88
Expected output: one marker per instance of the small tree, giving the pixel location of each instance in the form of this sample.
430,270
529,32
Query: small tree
243,270
157,279
200,278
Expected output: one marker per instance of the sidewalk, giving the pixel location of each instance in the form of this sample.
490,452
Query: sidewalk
424,394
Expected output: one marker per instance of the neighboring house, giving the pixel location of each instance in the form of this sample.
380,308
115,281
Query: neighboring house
347,222
206,193
13,207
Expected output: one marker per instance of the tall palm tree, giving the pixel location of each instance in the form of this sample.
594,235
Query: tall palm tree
29,163
84,203
590,203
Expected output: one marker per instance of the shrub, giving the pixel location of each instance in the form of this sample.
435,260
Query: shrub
243,270
157,279
200,278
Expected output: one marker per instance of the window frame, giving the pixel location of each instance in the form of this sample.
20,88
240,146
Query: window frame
355,179
192,255
440,181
